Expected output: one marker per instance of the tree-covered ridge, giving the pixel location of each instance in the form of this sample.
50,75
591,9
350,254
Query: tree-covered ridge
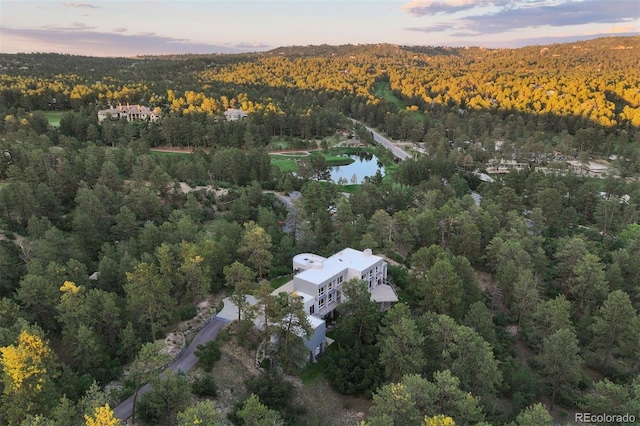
596,79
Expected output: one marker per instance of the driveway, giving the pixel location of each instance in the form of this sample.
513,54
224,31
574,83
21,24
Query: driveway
230,310
185,362
290,222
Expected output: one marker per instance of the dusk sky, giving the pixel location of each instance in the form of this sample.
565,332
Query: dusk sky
137,27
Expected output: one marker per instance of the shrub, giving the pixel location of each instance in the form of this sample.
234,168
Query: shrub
272,390
208,354
205,386
151,408
187,312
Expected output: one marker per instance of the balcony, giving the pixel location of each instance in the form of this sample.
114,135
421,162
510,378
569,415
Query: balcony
326,309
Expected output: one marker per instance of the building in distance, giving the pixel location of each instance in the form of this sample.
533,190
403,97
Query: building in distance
130,113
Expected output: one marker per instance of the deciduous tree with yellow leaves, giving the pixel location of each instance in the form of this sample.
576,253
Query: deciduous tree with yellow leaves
26,372
102,416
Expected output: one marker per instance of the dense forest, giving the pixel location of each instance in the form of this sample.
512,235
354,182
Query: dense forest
520,306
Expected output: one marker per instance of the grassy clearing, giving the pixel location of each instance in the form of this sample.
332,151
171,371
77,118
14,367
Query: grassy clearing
350,189
334,160
277,143
168,153
294,154
315,370
280,281
287,164
54,117
388,171
383,91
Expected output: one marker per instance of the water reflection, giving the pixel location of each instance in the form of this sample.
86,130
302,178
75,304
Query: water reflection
365,165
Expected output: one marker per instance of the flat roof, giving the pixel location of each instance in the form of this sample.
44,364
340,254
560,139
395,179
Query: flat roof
315,321
319,275
339,262
307,257
355,259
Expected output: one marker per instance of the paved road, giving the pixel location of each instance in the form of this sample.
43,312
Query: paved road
290,222
186,361
387,143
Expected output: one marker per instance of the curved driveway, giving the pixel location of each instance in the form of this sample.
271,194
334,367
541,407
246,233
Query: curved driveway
185,362
288,200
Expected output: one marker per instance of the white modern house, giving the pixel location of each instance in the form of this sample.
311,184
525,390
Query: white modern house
318,282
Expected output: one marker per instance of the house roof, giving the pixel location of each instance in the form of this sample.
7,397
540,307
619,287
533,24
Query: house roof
315,321
129,109
235,113
347,258
323,272
356,259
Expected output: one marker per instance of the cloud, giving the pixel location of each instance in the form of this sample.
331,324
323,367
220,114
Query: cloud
75,40
74,26
433,7
119,30
252,46
512,43
535,14
434,28
80,5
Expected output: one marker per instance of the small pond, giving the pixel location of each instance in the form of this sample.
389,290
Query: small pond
365,165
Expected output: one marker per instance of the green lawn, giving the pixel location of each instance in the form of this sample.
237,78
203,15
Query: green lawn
54,117
336,160
285,163
315,370
288,162
278,282
169,153
279,143
350,189
383,91
388,171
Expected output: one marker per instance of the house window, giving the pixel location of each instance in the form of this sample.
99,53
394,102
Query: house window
321,303
320,291
330,297
340,279
369,284
331,285
312,309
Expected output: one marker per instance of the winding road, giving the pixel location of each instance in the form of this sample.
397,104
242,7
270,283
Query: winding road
184,362
387,143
